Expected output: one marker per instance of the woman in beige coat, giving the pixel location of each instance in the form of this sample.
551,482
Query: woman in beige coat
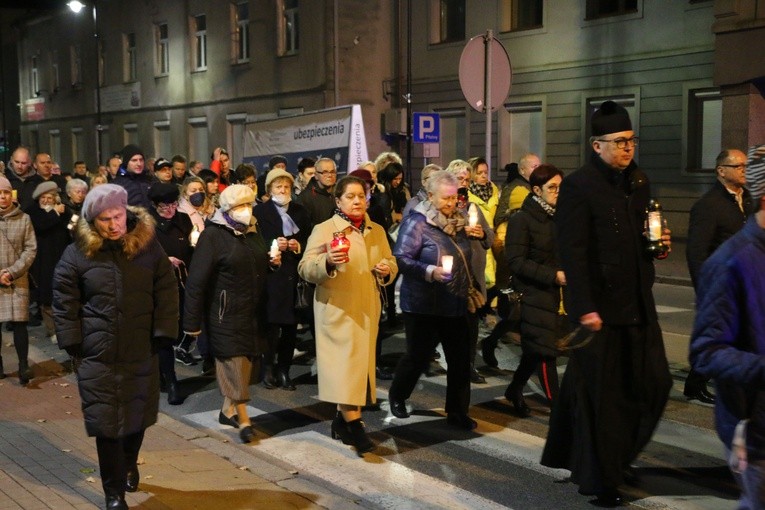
347,307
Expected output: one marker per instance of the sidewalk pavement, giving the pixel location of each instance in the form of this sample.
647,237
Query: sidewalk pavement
47,460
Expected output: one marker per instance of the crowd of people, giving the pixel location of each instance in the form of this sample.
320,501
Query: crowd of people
146,263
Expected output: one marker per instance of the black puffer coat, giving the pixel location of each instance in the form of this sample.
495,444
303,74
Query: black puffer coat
113,303
226,289
532,253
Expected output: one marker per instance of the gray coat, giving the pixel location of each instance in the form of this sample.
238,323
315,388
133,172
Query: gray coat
18,247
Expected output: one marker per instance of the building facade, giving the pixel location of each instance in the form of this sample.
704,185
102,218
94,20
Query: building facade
185,76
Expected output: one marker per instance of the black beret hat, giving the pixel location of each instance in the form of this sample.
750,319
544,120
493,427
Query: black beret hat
610,118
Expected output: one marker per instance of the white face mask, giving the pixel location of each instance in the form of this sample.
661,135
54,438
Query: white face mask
47,208
242,215
281,199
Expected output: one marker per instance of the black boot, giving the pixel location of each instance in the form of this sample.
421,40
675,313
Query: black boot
475,377
358,436
116,502
132,479
174,397
2,374
339,429
515,395
488,346
269,381
283,379
25,373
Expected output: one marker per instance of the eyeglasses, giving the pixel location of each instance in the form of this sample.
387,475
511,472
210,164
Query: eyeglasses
328,172
621,143
171,205
553,188
740,165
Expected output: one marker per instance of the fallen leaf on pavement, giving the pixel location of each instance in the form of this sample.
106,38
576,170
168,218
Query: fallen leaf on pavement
87,470
90,479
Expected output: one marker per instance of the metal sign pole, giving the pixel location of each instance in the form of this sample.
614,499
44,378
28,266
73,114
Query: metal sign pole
487,97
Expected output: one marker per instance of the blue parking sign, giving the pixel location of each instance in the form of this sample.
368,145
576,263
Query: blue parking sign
426,128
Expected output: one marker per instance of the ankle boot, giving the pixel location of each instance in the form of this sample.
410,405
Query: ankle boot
475,377
358,436
488,346
339,429
515,395
174,397
283,379
269,381
116,502
25,373
2,374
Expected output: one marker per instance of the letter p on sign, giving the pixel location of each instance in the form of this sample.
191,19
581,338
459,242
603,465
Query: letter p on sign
427,128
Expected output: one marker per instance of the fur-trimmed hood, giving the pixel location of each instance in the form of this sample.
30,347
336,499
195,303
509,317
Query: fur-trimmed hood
140,232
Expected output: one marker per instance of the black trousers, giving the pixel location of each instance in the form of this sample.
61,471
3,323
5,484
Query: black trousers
423,333
547,372
281,345
115,456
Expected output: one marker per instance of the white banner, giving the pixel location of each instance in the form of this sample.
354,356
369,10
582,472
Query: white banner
337,133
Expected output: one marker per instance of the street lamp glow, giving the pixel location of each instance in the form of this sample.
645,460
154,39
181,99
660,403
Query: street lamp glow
76,5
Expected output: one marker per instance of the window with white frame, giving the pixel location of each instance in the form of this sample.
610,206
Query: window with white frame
447,21
521,131
240,43
128,42
199,46
288,24
521,14
704,139
34,78
76,65
162,44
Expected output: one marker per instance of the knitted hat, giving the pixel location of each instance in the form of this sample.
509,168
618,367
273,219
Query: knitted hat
45,187
5,184
162,163
755,171
101,198
129,151
163,193
276,160
610,118
276,173
235,195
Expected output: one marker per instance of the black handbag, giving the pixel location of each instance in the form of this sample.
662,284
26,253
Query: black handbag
303,295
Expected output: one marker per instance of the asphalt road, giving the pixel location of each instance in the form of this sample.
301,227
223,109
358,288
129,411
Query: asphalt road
422,463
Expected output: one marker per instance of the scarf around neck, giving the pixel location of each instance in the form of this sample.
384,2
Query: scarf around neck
357,224
550,210
482,191
289,228
450,226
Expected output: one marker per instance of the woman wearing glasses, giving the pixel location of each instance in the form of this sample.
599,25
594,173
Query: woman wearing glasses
531,249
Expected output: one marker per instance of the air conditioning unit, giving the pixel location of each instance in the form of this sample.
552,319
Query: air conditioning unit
395,121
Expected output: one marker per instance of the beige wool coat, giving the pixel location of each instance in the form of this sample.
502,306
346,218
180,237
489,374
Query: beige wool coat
18,248
346,309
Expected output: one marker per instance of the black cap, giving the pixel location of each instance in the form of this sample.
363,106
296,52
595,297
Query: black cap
162,163
275,160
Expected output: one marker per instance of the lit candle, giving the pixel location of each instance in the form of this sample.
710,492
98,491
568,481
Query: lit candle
194,238
274,249
446,263
654,227
472,215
